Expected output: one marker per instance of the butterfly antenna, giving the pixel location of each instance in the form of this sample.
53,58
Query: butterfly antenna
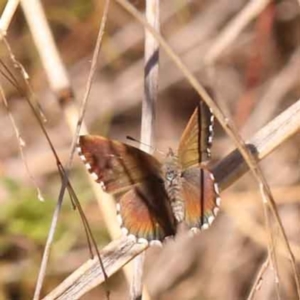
128,137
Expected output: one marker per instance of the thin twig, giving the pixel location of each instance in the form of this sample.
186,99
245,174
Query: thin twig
29,92
271,243
21,144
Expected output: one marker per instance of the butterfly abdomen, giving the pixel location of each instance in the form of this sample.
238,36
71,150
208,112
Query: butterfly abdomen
174,192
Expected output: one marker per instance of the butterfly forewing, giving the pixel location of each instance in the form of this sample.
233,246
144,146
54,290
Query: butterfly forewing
195,142
116,165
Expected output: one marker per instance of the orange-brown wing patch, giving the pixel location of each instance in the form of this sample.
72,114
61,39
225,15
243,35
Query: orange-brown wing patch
196,140
201,197
145,213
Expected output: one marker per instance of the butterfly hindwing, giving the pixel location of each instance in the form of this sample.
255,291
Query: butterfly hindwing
147,214
201,197
199,189
195,143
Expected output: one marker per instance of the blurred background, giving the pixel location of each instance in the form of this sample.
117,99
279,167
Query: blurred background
254,79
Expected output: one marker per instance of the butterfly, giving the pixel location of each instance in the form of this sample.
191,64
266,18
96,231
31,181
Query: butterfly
155,197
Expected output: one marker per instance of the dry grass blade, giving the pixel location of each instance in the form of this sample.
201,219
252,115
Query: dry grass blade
226,124
121,39
266,140
89,275
44,41
150,76
230,169
27,90
271,243
7,15
21,144
259,279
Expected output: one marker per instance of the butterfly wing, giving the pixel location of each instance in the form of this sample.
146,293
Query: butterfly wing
146,213
116,166
144,208
195,142
199,189
201,197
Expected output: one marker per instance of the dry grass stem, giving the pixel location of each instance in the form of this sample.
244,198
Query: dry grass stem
271,242
150,76
120,38
27,92
266,140
234,28
151,61
44,41
21,144
7,15
89,275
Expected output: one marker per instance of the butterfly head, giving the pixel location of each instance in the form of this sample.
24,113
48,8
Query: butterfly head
170,153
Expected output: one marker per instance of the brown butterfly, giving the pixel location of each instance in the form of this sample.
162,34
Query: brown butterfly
155,197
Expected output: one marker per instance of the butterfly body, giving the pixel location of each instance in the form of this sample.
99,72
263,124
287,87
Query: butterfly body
155,197
171,171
